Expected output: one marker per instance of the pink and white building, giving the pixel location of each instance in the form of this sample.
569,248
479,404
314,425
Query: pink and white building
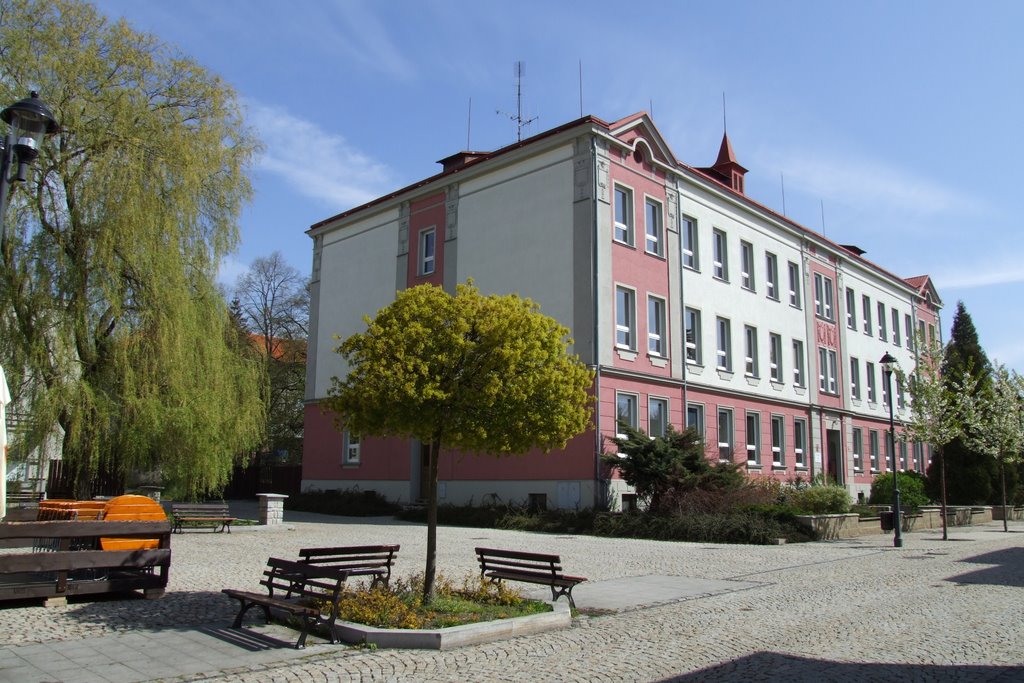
694,305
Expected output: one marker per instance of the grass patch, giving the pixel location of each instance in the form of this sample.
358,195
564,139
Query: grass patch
472,601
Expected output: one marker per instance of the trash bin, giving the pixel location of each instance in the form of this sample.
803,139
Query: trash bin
886,518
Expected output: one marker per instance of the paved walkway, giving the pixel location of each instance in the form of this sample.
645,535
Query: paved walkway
842,611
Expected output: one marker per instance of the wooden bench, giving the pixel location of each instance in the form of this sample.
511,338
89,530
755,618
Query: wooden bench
201,514
513,565
306,591
357,560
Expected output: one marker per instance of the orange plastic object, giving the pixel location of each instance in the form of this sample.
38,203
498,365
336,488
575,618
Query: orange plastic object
128,509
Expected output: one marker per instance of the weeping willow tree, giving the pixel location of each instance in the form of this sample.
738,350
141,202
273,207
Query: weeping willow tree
111,323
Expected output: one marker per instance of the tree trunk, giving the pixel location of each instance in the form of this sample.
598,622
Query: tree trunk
1002,479
431,568
942,481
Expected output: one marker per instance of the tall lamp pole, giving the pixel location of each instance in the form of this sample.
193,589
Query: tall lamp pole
888,363
28,121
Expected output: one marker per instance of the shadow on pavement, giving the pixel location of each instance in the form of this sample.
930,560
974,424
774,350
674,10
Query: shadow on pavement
772,666
1008,569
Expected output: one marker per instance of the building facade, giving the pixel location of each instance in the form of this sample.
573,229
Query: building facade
694,305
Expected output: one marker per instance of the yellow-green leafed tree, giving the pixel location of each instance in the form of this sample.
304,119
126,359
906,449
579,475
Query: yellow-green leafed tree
110,319
486,374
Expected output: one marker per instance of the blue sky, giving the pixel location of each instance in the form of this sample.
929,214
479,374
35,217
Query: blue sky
897,121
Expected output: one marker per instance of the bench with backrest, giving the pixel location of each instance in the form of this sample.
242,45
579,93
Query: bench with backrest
514,565
357,560
201,514
308,592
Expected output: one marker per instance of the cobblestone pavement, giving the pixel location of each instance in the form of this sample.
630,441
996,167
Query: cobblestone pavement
856,610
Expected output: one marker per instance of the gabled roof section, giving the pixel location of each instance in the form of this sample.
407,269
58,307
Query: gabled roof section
639,125
925,289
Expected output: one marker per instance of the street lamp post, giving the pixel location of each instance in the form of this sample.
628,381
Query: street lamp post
28,120
888,363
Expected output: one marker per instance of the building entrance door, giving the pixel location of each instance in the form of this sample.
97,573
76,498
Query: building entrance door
834,449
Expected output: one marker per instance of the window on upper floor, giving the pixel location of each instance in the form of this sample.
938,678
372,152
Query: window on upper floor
794,285
691,251
747,265
427,249
882,333
827,370
750,346
654,228
895,326
851,309
865,310
778,440
854,378
771,275
657,416
626,412
800,442
657,339
724,345
351,446
908,331
625,318
693,336
753,438
775,357
623,215
799,377
721,255
725,434
869,374
823,297
857,446
695,417
873,449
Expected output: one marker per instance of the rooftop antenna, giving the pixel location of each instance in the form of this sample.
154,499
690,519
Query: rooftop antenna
822,217
725,122
782,181
469,123
520,70
581,88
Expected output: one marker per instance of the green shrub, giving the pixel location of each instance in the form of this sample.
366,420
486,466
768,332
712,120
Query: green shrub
912,490
819,500
350,502
746,527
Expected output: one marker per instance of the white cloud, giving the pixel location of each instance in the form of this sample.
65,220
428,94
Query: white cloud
983,276
318,164
862,182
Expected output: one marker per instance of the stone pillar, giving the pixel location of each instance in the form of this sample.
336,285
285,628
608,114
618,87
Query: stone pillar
271,508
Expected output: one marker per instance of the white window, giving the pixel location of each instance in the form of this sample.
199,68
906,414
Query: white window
691,253
794,285
800,443
858,449
655,228
920,329
775,357
750,337
895,327
823,299
625,411
693,336
865,309
908,334
725,434
873,449
890,464
747,265
351,456
724,345
869,372
427,245
753,438
885,390
778,440
919,456
721,255
625,318
827,370
624,215
657,416
771,275
900,400
656,338
695,417
855,378
851,309
799,377
882,334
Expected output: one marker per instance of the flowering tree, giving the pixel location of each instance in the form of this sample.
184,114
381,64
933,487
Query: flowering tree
997,418
941,406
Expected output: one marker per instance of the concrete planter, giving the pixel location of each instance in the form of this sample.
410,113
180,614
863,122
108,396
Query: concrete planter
1012,513
456,636
831,527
